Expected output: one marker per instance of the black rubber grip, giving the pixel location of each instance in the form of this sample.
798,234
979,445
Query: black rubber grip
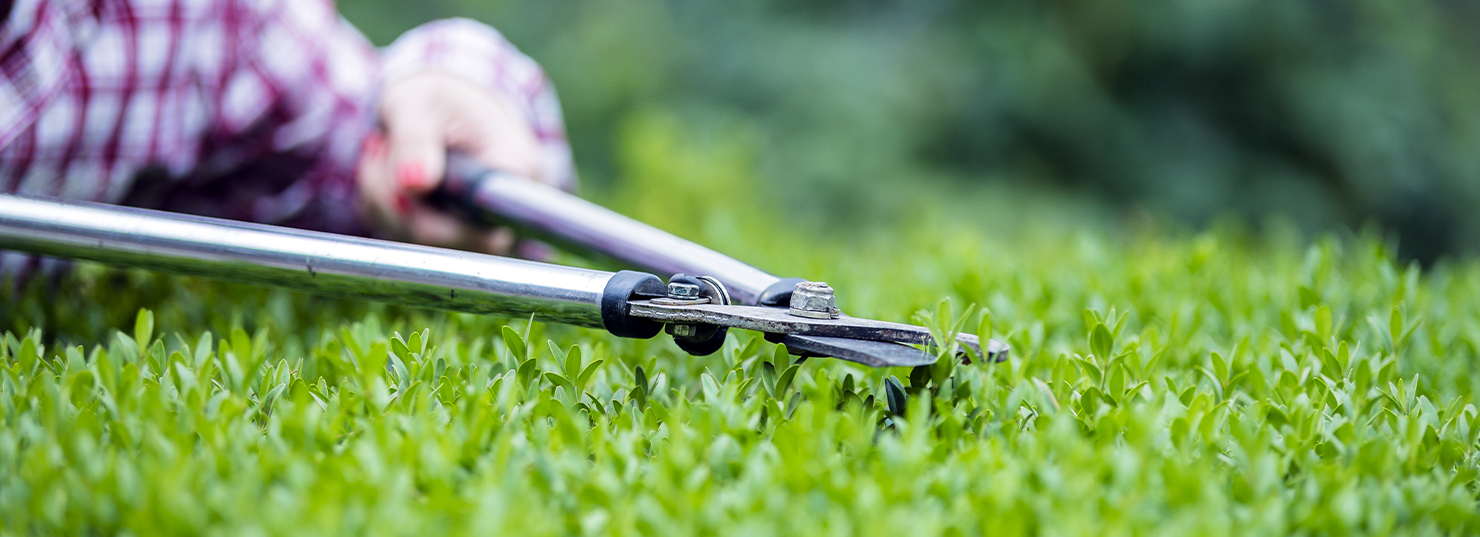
778,295
624,286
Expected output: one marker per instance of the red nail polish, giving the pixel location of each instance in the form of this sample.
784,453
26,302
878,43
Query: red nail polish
412,175
403,204
374,145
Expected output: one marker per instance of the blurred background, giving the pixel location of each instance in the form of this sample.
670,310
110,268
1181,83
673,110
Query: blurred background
1315,114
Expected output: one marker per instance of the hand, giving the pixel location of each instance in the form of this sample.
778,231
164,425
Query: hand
424,115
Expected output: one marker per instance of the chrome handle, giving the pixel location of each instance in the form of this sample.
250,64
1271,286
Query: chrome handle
551,214
314,262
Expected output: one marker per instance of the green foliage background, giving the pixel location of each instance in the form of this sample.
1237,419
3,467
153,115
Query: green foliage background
1331,113
1222,383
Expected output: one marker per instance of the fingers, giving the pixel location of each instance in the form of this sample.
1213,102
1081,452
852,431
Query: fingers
499,241
430,226
423,116
415,121
497,137
428,113
426,225
377,188
403,217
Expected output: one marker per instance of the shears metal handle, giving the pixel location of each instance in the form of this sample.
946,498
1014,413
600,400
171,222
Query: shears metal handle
707,294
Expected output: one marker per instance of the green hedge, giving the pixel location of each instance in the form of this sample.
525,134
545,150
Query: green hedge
1219,383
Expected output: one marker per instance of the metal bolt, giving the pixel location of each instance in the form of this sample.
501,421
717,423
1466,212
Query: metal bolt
681,290
682,330
814,300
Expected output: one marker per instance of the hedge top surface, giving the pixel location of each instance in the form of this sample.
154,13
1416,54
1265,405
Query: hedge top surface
1228,389
1217,384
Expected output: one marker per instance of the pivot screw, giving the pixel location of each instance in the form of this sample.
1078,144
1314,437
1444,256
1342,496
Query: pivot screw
814,300
682,330
683,291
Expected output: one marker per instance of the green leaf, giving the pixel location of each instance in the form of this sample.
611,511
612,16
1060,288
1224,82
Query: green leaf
270,400
1308,297
1395,324
399,348
1134,390
595,403
919,377
203,350
1343,356
28,356
941,370
572,362
1096,376
144,327
124,348
752,349
768,379
784,381
1220,368
640,391
983,334
1092,317
1323,323
556,352
1213,379
1091,399
375,360
416,341
1115,385
746,385
1101,342
515,343
642,380
585,376
780,356
241,344
710,387
560,381
944,317
400,374
75,360
526,371
895,396
11,345
793,403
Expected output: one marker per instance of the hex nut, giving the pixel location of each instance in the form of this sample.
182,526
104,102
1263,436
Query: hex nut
681,290
814,300
682,330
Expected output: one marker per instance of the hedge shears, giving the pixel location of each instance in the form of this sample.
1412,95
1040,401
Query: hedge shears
706,294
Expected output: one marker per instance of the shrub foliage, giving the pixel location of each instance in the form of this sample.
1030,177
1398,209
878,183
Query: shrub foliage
1211,387
1224,383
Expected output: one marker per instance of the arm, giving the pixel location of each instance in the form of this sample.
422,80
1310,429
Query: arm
256,109
247,109
448,85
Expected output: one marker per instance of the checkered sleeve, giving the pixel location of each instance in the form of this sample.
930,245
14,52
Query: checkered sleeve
481,54
308,77
245,109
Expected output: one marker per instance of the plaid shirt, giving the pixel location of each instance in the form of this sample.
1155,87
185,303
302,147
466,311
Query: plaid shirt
244,109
